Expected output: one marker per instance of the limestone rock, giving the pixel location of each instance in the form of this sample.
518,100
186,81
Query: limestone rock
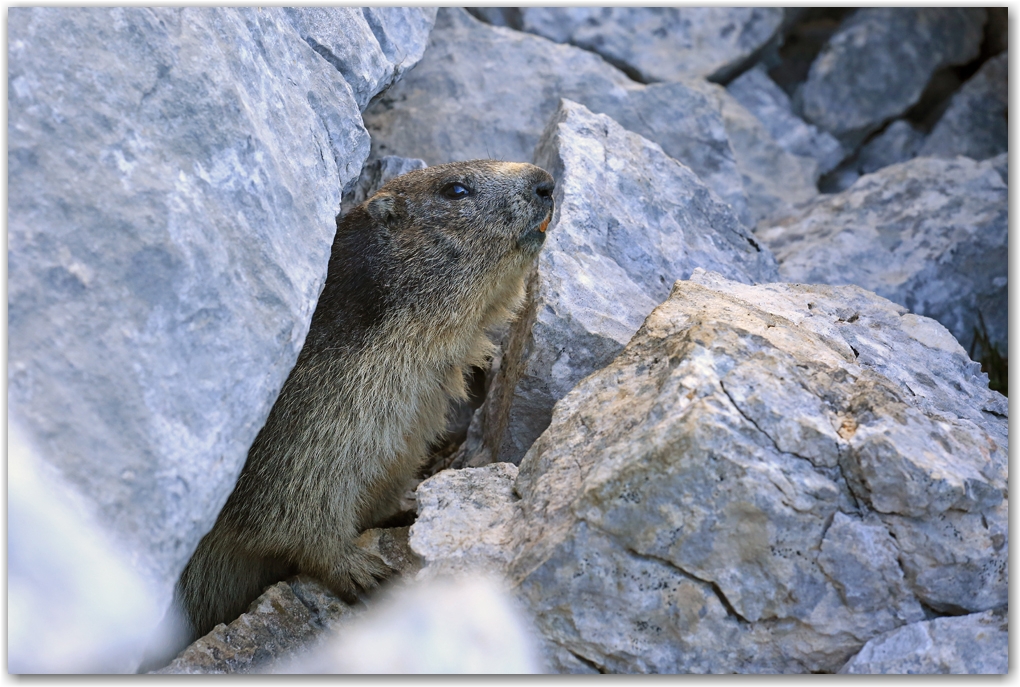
370,46
1001,164
483,91
276,624
174,176
662,43
707,501
775,180
880,60
629,220
898,143
970,644
497,16
929,234
975,122
391,545
769,103
476,507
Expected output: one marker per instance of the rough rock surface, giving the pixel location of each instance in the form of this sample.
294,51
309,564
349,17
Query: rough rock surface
929,234
769,103
629,220
662,43
276,624
173,179
371,47
975,122
483,91
880,60
970,644
775,180
723,496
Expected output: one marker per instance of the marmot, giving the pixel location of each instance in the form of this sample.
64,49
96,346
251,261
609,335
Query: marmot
418,273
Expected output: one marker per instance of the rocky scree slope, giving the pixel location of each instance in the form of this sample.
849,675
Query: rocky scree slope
738,475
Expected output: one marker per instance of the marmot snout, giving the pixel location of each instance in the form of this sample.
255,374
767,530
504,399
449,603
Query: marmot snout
418,273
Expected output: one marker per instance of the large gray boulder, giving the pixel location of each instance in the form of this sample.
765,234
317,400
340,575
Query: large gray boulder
929,234
732,492
775,180
769,103
483,91
372,47
173,181
880,60
974,124
629,220
970,644
662,43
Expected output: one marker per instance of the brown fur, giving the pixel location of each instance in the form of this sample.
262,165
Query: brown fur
415,280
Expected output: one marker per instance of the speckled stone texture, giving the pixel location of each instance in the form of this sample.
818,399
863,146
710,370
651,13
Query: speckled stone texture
880,60
662,43
930,234
767,477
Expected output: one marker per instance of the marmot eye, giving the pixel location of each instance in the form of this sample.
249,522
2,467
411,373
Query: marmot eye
456,190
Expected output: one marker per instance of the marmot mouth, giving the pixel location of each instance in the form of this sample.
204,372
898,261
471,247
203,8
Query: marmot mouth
533,238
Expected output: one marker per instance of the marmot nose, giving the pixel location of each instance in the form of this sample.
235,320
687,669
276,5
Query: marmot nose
544,190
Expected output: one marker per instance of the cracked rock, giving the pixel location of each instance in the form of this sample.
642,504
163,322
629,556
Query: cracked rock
929,234
484,91
629,220
970,644
372,47
705,502
662,43
880,60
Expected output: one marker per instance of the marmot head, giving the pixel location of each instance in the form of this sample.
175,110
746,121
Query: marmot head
450,243
462,204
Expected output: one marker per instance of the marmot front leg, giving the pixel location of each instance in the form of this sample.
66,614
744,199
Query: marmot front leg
348,570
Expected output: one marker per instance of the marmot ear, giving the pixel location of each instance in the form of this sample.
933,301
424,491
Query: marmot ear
382,207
